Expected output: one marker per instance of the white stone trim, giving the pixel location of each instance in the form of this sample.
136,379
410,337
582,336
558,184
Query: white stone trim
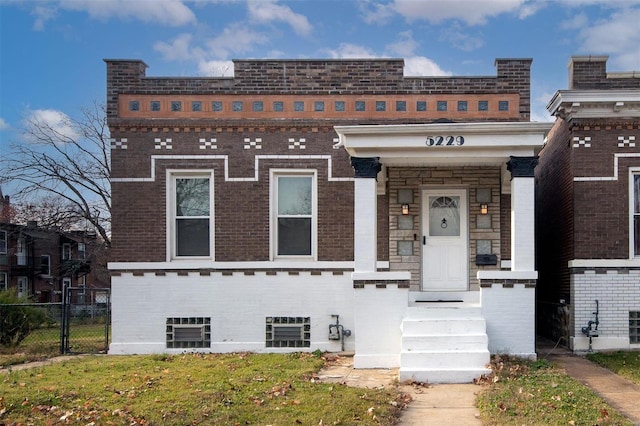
225,158
381,276
616,158
595,103
507,275
204,264
604,263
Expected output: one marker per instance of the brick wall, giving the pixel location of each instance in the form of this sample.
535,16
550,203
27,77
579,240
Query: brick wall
590,72
555,214
338,77
141,142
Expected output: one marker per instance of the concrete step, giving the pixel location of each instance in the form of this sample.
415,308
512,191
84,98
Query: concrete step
444,310
439,326
445,360
453,375
444,342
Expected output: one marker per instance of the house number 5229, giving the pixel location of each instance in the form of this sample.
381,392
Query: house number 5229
445,141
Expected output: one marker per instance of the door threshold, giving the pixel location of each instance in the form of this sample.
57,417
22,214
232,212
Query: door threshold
444,297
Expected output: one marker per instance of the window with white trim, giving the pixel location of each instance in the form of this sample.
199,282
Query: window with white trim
21,252
191,215
294,213
66,251
3,281
82,251
3,242
45,265
23,286
635,214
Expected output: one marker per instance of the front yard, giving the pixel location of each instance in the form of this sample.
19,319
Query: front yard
277,389
189,389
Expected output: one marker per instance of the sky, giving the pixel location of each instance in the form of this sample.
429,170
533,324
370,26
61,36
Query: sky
52,51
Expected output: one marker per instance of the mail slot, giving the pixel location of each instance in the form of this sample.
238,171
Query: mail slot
486,259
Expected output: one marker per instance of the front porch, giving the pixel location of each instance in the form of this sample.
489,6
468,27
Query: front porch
461,278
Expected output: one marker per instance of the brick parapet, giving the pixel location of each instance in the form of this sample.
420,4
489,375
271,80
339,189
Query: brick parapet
590,72
331,77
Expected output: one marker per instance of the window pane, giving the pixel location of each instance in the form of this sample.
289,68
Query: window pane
192,197
294,195
192,237
636,194
294,236
444,216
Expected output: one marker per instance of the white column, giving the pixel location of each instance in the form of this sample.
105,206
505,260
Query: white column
522,213
365,214
365,224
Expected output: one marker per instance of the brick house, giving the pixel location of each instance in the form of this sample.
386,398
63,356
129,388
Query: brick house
38,262
325,204
588,204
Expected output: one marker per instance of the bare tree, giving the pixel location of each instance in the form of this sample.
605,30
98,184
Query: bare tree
67,162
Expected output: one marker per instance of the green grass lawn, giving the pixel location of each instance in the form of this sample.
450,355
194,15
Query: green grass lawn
44,343
623,363
538,393
278,389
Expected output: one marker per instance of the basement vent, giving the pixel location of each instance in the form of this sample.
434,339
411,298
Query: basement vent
189,332
634,327
288,332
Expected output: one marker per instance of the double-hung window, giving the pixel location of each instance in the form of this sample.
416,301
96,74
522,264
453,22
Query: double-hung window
294,214
3,242
66,251
45,265
635,213
191,215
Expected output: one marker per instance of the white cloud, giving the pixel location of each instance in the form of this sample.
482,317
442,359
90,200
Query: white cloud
539,111
236,38
350,51
264,11
575,23
617,36
3,124
54,124
473,12
166,12
405,46
43,14
374,12
461,39
421,66
179,49
216,68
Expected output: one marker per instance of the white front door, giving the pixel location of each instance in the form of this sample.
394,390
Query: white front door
445,260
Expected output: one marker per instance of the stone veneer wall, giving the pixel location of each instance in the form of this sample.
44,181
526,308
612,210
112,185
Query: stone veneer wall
418,179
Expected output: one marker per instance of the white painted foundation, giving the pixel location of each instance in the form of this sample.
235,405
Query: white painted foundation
237,305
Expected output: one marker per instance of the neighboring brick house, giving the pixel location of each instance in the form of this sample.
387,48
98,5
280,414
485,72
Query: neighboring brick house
37,262
325,204
588,210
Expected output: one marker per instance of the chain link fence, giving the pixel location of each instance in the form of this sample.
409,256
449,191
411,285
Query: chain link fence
30,328
81,324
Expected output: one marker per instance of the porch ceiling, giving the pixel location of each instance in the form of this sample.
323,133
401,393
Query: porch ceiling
461,143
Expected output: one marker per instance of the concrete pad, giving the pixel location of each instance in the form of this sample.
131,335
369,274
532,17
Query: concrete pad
442,404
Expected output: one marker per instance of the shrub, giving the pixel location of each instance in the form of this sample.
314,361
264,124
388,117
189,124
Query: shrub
17,320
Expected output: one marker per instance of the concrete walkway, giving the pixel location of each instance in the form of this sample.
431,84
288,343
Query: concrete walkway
619,393
440,404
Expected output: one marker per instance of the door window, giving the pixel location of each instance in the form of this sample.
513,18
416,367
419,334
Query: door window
444,216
